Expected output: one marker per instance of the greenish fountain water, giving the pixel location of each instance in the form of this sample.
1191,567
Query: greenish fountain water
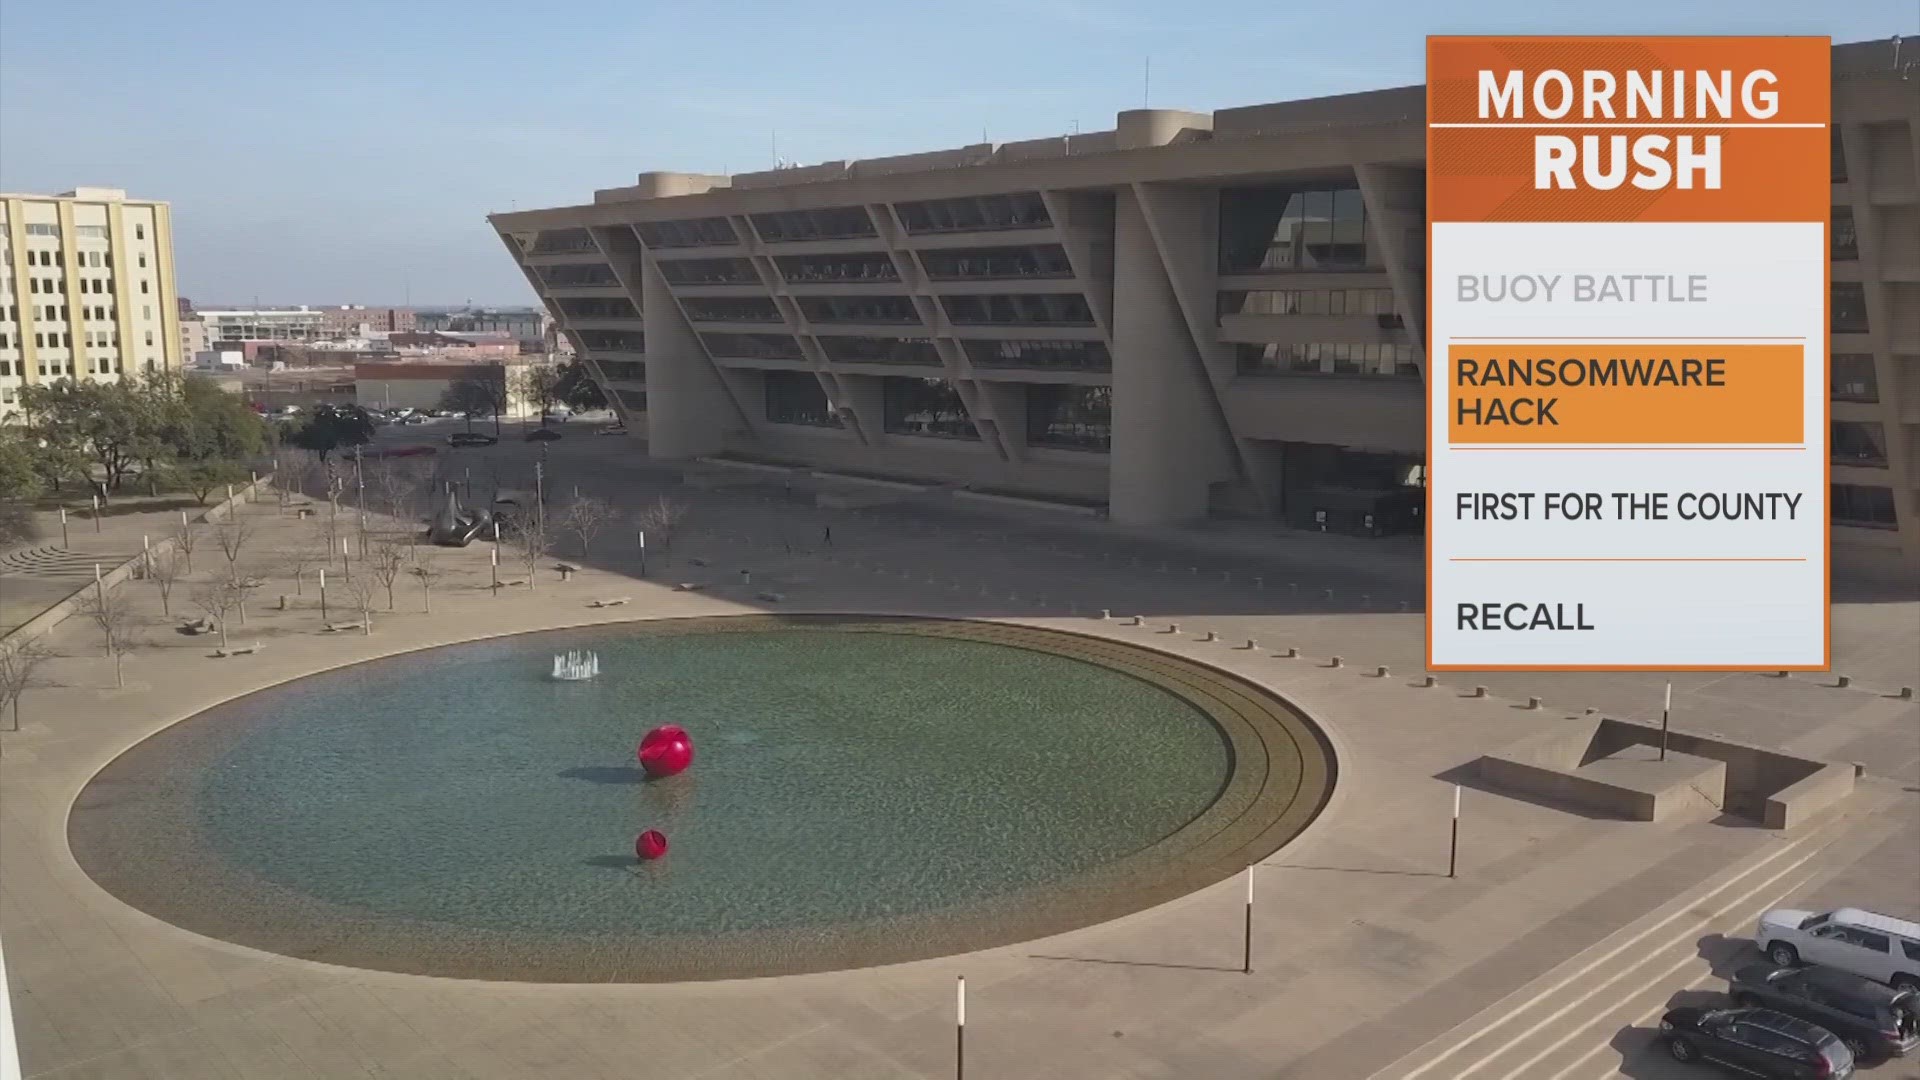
862,791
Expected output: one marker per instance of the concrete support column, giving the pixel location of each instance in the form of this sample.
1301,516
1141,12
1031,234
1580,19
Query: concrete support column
689,411
1167,443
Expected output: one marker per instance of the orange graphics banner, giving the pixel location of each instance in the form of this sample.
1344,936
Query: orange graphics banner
1627,256
1628,129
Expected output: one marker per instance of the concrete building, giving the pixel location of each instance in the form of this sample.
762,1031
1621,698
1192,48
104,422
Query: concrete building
264,324
194,338
421,384
87,289
1189,315
359,320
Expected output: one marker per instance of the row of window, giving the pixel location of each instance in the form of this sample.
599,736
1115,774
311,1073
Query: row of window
55,286
1035,309
1328,358
930,408
93,339
874,350
694,232
1851,377
860,309
80,258
1306,302
743,309
597,307
577,275
832,223
563,241
1285,227
1042,261
98,232
614,340
1844,240
634,400
625,370
709,272
752,346
976,213
1045,355
863,267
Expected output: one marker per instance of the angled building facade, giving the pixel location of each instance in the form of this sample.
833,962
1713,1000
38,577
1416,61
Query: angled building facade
1188,315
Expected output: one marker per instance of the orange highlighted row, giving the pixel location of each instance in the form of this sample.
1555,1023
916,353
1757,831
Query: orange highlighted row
1617,393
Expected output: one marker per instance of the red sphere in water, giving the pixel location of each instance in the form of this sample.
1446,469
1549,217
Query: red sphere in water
665,751
650,845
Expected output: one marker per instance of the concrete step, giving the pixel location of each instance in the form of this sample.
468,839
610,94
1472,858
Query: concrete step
1561,1022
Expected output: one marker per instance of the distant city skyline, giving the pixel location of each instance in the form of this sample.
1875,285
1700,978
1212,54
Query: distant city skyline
348,154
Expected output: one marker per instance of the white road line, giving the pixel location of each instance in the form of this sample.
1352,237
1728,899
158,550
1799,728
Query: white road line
1692,958
1614,1070
1532,996
1669,943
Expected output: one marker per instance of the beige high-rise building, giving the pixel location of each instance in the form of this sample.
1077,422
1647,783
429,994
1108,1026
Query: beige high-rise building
87,289
1191,314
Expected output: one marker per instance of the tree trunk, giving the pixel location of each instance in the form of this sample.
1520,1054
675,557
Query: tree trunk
389,597
223,631
426,599
119,676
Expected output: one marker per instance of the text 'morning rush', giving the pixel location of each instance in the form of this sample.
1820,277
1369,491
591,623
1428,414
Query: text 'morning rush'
1651,161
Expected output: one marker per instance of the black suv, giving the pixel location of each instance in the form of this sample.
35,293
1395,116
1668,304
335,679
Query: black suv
1758,1042
1874,1021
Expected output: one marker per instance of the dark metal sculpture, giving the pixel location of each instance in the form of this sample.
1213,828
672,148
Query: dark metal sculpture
454,527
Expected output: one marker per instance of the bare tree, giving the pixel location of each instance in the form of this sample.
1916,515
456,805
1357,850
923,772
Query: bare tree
361,591
114,616
185,538
17,664
163,570
661,520
530,544
428,572
233,536
585,518
300,558
242,587
397,485
217,598
291,471
389,557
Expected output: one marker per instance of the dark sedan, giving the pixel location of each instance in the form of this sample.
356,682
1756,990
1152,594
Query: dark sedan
470,438
542,435
1875,1021
1758,1042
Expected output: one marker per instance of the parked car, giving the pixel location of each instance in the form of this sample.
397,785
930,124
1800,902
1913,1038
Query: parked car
1874,1021
542,435
1880,947
554,418
470,438
1758,1042
414,418
614,429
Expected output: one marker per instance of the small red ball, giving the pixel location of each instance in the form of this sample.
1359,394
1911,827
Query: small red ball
665,751
650,845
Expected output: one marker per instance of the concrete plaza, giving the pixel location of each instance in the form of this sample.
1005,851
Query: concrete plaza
1543,958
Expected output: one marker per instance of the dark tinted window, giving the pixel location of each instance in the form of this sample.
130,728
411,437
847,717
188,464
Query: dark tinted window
1849,308
930,407
795,397
1843,241
1867,939
1911,948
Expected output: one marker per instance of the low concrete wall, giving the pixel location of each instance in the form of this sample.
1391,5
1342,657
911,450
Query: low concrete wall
1795,803
1567,786
1778,789
44,622
1029,504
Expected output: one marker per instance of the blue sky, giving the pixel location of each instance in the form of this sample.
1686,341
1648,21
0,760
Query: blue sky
348,152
